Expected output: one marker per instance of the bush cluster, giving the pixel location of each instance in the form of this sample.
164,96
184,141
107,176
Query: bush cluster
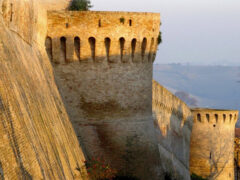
80,5
99,169
160,38
196,177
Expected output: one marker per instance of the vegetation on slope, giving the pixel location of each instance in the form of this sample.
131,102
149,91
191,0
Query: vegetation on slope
196,177
99,169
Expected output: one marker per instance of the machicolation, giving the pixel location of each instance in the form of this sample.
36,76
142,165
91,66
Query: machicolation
81,36
216,116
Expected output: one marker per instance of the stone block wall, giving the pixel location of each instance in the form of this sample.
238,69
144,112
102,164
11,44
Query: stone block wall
102,62
103,68
212,143
37,140
173,124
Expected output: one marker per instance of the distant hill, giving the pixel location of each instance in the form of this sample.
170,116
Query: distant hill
203,86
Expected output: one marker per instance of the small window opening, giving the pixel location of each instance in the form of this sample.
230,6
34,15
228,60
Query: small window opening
92,42
63,48
208,117
48,45
216,118
11,16
107,46
230,117
122,44
77,47
214,125
199,117
130,22
99,23
134,43
67,25
151,50
224,117
144,46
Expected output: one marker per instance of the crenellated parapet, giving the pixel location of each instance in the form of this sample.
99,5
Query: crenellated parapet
215,116
98,36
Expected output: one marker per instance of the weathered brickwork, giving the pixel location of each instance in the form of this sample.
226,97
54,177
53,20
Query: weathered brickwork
114,36
212,143
37,140
103,68
173,125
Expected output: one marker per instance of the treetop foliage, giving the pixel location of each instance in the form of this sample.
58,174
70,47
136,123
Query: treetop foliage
80,5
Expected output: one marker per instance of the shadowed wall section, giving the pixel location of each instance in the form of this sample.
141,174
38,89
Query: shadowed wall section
212,143
108,92
173,125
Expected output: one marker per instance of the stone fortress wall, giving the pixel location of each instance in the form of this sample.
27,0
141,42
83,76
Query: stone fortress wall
37,140
82,36
173,122
212,143
16,20
102,62
103,68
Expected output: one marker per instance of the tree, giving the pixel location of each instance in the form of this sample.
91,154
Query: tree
160,36
214,149
80,5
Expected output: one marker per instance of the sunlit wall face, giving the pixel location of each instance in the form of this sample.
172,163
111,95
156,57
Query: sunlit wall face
195,32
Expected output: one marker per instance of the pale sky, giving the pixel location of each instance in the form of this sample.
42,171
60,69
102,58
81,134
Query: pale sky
205,32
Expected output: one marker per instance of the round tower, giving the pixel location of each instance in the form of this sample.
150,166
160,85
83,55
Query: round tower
102,63
212,143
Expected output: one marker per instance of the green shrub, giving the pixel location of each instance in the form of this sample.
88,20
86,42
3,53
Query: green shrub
160,38
80,5
99,169
196,177
122,20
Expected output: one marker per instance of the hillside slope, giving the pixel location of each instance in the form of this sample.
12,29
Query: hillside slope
202,86
212,86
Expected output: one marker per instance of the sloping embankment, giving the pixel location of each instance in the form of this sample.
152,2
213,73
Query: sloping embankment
37,140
